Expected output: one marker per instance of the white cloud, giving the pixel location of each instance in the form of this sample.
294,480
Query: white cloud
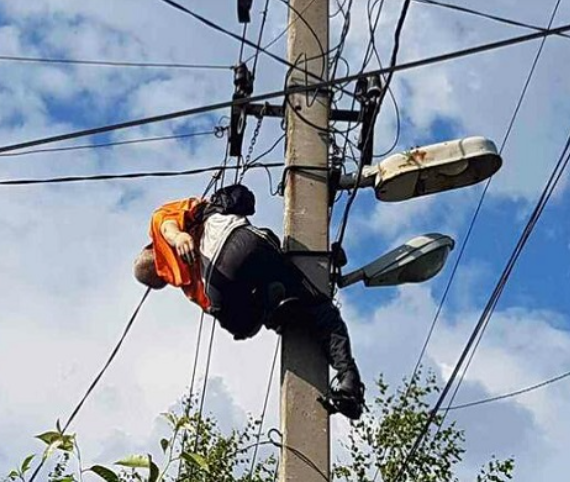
66,280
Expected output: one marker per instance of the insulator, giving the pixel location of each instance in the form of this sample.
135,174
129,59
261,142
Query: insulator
243,9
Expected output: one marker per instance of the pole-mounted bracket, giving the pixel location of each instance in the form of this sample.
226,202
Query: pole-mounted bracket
338,115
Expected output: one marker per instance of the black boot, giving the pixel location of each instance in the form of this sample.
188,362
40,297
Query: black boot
349,382
348,395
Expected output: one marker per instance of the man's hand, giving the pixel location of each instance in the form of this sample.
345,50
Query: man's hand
181,241
184,246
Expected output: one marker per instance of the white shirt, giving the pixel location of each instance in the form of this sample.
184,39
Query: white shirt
217,229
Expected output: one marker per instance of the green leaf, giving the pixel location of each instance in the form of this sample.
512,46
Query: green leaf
49,437
197,460
154,472
67,443
183,422
164,443
26,463
106,474
50,449
171,418
135,462
56,440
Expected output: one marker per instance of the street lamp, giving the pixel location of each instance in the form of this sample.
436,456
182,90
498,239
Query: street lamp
415,261
428,170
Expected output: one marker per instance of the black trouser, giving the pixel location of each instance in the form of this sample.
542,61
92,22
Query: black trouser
249,262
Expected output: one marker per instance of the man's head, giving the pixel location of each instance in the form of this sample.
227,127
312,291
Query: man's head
234,199
145,272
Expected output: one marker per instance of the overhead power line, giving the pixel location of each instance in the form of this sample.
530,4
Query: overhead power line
369,135
516,393
117,143
97,379
484,193
112,63
504,143
478,13
240,39
297,89
131,175
279,36
480,327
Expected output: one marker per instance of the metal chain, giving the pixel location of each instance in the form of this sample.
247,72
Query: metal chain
255,136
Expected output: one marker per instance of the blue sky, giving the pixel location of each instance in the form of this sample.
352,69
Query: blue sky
67,250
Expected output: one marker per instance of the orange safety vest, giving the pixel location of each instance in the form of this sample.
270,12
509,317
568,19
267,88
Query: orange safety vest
168,264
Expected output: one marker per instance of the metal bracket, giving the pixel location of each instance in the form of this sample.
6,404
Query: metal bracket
340,115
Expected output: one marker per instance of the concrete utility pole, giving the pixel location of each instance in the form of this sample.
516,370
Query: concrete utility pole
304,370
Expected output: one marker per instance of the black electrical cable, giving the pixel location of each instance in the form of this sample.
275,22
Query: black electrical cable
111,63
477,211
371,44
219,171
303,59
320,46
255,163
266,152
297,111
395,50
114,144
480,204
374,50
264,409
282,33
205,384
507,136
242,45
505,396
340,9
291,90
300,455
486,15
481,325
189,402
132,175
342,39
217,27
95,382
260,38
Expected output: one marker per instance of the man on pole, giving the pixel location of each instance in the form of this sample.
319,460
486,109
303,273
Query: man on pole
238,273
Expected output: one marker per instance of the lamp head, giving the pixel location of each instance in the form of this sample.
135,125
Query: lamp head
416,261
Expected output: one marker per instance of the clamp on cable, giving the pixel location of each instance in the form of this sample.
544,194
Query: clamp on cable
297,167
243,88
368,93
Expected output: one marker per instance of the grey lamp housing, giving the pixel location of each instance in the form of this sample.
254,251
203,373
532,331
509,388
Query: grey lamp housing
428,170
418,260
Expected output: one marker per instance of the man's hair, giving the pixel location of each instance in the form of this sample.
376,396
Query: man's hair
234,199
145,272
